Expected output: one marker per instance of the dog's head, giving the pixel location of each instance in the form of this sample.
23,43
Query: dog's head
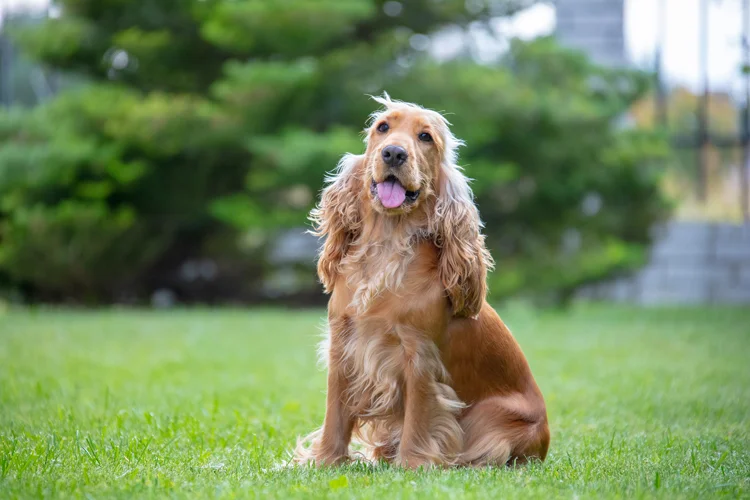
409,173
406,148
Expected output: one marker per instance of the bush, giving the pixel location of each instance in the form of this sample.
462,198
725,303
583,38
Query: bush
208,125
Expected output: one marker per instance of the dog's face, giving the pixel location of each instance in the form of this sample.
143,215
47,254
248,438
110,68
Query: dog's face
403,158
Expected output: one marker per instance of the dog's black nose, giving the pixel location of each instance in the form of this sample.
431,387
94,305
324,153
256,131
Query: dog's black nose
394,156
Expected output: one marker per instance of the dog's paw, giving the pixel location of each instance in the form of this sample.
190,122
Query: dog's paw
413,461
311,451
321,460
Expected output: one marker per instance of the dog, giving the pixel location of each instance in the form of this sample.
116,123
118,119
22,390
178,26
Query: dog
421,370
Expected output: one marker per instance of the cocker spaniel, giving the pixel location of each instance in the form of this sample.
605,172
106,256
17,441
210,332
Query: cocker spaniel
421,370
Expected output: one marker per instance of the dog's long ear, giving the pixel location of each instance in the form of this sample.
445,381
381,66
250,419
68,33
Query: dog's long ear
338,217
464,258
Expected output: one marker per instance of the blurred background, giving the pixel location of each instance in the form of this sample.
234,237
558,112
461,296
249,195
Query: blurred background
167,152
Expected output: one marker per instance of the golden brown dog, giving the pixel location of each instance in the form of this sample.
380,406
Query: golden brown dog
421,370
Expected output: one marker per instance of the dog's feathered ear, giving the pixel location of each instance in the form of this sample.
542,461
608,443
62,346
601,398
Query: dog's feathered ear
464,258
338,217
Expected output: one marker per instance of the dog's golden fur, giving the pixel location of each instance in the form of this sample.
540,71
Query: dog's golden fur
421,370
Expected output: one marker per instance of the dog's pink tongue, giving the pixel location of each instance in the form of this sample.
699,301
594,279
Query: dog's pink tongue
391,193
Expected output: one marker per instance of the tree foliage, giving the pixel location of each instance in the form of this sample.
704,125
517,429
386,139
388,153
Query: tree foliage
208,125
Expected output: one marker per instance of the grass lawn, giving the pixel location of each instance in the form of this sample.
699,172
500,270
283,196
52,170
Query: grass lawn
200,403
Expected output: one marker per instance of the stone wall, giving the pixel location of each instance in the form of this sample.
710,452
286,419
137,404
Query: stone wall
689,263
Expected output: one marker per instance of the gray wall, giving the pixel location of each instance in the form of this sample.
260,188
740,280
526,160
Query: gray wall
595,26
690,263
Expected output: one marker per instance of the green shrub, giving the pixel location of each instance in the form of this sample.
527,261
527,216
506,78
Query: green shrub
216,121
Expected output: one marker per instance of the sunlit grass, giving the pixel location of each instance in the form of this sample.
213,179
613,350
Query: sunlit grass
204,403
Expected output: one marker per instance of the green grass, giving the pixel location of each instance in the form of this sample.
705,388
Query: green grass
199,403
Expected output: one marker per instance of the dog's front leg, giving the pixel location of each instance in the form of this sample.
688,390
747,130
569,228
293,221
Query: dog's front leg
338,424
331,447
431,434
415,436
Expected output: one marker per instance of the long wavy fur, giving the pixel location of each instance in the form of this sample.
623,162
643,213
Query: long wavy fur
374,252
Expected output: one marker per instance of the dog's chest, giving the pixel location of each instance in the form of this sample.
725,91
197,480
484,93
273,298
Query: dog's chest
387,278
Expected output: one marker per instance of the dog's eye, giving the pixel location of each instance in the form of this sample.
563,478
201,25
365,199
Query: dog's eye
383,128
425,137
